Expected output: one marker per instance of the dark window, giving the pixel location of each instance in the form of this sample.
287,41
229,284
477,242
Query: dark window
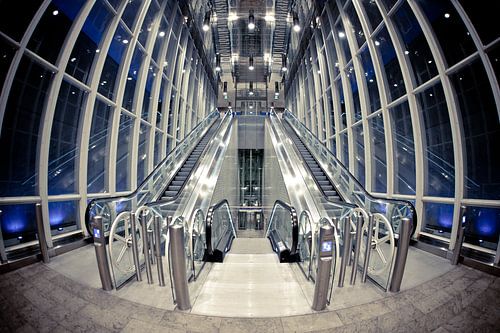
14,24
484,17
371,80
7,52
98,148
379,163
372,12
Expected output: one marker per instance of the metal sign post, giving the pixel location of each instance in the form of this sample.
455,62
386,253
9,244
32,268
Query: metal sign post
135,247
159,263
178,262
401,254
145,247
359,234
100,252
326,246
346,250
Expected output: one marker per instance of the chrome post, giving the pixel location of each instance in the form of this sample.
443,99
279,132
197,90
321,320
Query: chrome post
178,262
346,250
401,254
151,240
159,265
101,253
135,248
42,241
326,246
460,238
368,247
359,234
3,254
145,247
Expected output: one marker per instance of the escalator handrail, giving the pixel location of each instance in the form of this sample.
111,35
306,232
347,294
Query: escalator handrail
295,223
160,165
209,221
372,198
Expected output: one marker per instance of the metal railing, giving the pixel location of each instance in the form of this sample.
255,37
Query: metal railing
153,186
347,185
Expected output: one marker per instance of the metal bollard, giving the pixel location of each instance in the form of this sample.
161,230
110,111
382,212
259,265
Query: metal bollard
359,234
135,248
159,264
178,262
368,248
151,240
97,229
326,246
41,234
401,254
346,250
3,254
145,247
460,238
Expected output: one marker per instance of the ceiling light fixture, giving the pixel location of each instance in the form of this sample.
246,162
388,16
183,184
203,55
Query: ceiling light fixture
206,22
250,63
251,21
296,23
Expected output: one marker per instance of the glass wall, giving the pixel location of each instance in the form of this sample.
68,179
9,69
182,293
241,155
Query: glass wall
87,104
417,81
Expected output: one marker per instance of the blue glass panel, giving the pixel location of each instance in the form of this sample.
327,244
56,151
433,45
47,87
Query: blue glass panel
359,154
147,24
356,106
135,65
371,80
63,140
342,38
440,174
98,148
372,12
19,136
142,159
152,72
18,223
379,162
404,151
123,153
88,42
63,216
482,226
161,39
437,219
131,11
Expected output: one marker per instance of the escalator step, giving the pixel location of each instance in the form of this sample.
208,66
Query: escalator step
175,188
325,188
177,182
320,177
330,193
323,183
170,193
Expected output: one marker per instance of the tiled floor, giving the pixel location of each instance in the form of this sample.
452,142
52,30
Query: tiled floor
39,299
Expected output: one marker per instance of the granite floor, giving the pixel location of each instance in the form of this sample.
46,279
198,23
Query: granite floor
40,299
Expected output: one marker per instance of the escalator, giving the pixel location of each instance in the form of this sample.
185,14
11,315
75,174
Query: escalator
324,183
179,180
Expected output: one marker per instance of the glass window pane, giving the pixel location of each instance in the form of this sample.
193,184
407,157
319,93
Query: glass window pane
123,153
404,151
371,80
356,107
388,4
49,35
344,147
19,136
359,153
379,164
88,42
357,30
449,28
333,145
482,226
416,47
440,167
494,55
482,132
63,140
98,148
135,65
372,12
109,75
7,52
342,39
158,139
15,25
146,112
333,59
483,15
438,219
161,39
63,217
142,159
131,11
391,64
18,224
147,23
160,106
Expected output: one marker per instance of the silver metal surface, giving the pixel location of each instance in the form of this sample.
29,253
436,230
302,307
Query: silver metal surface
3,254
41,234
135,249
401,254
159,263
101,253
145,247
359,238
346,250
178,264
325,258
460,237
367,248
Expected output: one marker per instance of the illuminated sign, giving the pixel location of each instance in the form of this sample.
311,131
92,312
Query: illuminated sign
327,246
